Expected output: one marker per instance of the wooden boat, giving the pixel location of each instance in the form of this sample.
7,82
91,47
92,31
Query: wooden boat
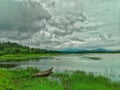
43,73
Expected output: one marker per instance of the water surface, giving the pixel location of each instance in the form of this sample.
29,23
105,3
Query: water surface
99,64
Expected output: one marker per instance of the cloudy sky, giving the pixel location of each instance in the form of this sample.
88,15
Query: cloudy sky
60,24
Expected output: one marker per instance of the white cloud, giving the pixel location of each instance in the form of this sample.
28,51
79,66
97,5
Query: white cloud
58,24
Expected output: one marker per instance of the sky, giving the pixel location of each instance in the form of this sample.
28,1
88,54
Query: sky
61,24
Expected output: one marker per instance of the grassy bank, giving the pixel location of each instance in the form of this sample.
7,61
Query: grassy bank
22,57
20,80
17,80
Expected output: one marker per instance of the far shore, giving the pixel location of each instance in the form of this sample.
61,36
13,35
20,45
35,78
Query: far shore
24,57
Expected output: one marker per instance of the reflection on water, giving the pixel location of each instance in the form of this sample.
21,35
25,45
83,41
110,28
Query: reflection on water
103,64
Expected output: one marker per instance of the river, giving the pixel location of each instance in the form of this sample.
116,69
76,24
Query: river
100,64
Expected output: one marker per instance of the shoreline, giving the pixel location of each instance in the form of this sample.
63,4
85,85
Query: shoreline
24,57
78,80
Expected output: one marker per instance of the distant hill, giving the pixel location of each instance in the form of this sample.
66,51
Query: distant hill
97,50
72,50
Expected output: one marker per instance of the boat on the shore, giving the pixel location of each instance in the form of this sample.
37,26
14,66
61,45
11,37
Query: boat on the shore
43,73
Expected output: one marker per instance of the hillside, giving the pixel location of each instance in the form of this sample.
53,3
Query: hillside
14,48
97,50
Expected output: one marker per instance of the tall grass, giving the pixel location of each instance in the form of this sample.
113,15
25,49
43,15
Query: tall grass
22,80
81,81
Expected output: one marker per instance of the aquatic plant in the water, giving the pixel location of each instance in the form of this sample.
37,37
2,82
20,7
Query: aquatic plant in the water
92,58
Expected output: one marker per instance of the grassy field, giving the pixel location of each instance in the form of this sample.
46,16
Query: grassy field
22,57
21,80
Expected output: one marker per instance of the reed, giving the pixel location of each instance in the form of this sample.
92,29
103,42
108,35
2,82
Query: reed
21,80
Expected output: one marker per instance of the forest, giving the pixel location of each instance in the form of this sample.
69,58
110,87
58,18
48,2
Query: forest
14,48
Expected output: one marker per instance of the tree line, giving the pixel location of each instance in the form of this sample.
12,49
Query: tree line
14,48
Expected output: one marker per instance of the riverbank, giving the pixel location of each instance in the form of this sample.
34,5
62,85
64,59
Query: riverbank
21,80
23,57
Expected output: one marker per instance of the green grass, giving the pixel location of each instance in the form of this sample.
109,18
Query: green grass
21,80
22,57
81,81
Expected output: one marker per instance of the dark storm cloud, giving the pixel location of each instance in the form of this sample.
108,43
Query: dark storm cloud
20,18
